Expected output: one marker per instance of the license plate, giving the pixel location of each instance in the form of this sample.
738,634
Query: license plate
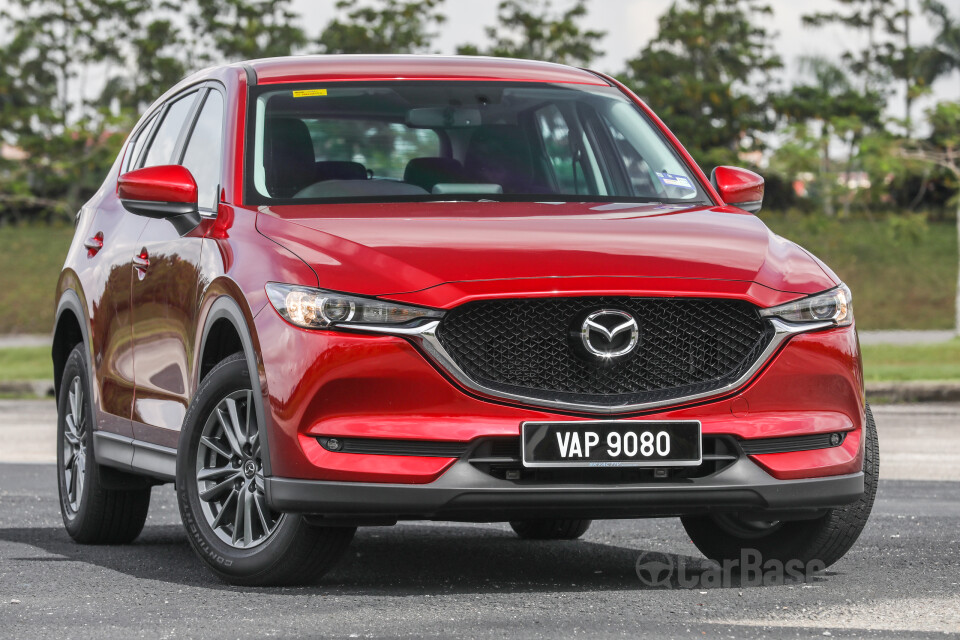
611,443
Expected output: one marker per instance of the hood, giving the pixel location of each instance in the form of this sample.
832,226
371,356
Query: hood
393,249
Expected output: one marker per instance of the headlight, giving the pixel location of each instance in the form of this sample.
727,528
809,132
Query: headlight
834,306
318,309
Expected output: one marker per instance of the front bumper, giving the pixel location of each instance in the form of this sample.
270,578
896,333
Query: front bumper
464,493
349,385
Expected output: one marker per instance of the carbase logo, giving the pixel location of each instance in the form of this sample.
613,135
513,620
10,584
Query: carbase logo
667,571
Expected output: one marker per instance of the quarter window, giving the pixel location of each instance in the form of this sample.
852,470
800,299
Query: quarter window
137,147
203,152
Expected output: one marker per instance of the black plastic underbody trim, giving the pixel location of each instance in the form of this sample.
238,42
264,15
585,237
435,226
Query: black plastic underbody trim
465,493
790,443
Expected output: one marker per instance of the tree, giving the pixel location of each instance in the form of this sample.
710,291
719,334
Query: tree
942,56
942,149
531,29
888,53
245,29
830,104
384,26
157,55
45,108
706,74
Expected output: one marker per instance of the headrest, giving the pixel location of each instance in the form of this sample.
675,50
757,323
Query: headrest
427,172
288,156
340,170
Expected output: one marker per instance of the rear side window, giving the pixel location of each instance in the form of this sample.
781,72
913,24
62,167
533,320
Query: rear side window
165,141
203,152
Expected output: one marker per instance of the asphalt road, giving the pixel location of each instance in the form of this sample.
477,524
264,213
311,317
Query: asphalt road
901,580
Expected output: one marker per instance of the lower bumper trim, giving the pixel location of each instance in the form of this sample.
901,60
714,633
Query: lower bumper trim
465,494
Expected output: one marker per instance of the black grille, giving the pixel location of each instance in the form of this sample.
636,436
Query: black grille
527,347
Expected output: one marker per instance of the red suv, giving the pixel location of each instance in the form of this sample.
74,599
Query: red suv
320,293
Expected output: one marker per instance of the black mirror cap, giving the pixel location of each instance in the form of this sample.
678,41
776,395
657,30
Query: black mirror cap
185,217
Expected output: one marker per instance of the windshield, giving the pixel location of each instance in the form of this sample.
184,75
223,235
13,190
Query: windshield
420,141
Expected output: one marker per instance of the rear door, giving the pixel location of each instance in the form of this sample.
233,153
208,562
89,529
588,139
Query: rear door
107,273
166,277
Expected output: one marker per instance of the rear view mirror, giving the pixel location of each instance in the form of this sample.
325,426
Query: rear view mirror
164,192
443,117
739,187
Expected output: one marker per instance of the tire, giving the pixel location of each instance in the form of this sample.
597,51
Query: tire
825,539
92,514
254,546
550,529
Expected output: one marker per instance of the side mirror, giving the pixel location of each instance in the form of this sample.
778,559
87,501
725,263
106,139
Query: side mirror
165,192
739,187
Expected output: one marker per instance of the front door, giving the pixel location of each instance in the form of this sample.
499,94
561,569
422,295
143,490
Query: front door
166,283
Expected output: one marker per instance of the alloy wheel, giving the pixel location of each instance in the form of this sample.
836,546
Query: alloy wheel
229,474
74,445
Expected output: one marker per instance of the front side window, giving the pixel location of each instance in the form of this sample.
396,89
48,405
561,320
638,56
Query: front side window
203,152
421,141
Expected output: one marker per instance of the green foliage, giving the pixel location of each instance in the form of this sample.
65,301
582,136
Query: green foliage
827,103
703,74
245,29
44,104
531,29
942,56
68,136
382,26
880,20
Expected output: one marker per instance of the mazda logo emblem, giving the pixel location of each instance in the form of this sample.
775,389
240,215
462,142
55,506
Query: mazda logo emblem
609,333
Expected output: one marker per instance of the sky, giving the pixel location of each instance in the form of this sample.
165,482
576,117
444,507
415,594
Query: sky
630,24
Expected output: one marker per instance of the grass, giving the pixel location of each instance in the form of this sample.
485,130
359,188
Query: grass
26,363
884,363
902,271
30,265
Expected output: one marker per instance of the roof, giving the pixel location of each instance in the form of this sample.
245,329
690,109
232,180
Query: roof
414,67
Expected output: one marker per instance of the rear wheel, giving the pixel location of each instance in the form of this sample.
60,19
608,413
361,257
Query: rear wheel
92,513
825,539
550,529
220,490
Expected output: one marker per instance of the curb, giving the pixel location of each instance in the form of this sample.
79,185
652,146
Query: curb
887,392
916,391
35,388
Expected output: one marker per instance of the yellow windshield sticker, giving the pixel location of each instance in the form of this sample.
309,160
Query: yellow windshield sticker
308,93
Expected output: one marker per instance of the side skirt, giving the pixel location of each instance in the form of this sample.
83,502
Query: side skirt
135,456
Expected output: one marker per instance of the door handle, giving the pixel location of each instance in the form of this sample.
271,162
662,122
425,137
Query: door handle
94,244
141,263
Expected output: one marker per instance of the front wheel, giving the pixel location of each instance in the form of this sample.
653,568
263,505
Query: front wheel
825,539
550,529
220,490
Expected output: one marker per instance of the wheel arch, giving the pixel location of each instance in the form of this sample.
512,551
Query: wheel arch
70,329
227,330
